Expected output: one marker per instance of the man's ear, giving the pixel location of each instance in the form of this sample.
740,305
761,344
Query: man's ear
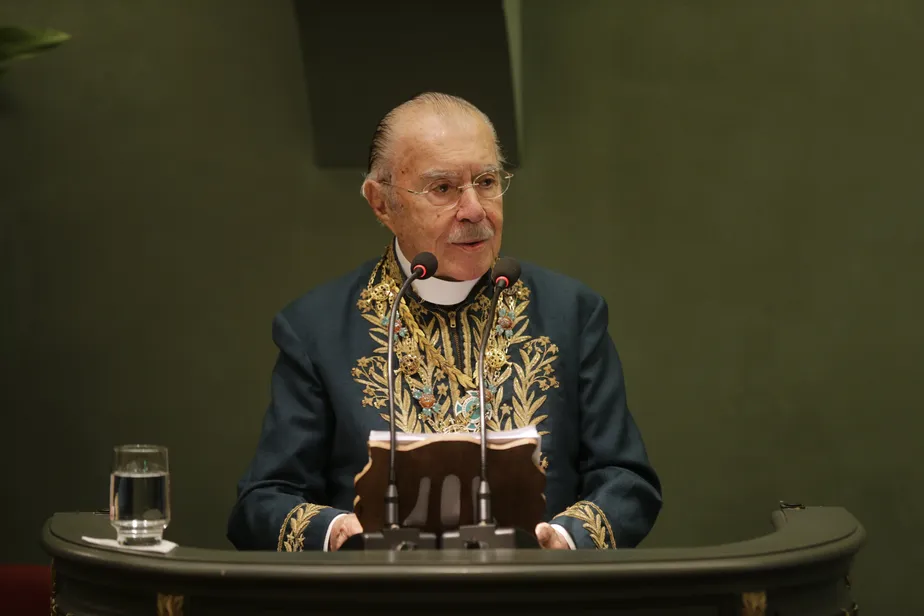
375,196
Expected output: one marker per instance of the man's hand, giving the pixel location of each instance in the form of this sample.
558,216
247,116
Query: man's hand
549,539
343,529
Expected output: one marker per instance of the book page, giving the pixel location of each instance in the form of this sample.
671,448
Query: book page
504,436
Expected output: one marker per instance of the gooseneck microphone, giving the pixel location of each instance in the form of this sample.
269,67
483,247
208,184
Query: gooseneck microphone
423,266
505,275
485,534
393,536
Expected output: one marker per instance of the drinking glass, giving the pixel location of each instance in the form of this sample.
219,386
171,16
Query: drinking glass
139,494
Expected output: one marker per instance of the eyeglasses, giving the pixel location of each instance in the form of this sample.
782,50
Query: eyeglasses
447,192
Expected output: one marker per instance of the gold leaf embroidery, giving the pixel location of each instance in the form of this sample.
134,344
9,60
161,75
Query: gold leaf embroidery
436,360
297,522
595,523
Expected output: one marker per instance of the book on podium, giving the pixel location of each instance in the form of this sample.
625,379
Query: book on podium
438,475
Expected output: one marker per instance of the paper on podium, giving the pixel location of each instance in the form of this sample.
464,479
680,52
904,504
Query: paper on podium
437,477
162,548
492,438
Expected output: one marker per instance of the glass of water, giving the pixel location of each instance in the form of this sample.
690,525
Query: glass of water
139,494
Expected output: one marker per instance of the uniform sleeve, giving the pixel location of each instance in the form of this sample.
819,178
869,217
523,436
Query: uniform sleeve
281,499
620,493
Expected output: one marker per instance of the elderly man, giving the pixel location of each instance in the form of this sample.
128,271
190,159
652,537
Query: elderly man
436,180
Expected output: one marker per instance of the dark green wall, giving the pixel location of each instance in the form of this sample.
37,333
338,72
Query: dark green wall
159,204
740,180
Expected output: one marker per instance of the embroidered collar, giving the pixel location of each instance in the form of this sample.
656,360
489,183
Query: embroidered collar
434,290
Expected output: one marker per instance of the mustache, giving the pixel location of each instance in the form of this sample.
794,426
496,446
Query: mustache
471,232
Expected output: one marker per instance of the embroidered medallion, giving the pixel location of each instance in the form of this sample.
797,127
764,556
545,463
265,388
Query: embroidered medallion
470,407
436,350
504,322
409,364
425,398
399,330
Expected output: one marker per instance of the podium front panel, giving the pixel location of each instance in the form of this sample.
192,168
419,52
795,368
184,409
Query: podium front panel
800,567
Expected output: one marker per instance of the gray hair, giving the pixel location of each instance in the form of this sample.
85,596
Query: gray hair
442,104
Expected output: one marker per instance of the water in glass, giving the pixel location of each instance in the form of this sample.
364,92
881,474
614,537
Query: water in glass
139,494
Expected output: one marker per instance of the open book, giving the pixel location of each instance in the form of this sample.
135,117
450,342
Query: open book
503,437
438,474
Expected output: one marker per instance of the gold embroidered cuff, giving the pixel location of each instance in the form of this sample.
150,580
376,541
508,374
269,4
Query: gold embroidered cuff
595,523
296,523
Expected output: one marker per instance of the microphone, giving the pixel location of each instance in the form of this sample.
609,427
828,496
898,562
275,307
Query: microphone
505,275
423,266
485,534
392,536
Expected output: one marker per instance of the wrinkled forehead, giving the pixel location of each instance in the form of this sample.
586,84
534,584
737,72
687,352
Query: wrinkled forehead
454,144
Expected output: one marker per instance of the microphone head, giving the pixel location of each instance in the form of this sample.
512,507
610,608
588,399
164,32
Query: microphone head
426,264
506,271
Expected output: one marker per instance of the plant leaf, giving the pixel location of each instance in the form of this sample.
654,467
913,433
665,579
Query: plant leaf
21,43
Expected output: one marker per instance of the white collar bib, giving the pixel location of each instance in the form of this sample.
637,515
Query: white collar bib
434,290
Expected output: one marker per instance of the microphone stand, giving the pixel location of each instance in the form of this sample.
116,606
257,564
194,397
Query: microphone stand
393,537
485,535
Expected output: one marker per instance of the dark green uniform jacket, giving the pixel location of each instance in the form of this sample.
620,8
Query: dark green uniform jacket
550,363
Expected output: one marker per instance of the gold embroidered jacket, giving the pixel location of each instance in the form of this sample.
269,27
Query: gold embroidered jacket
550,363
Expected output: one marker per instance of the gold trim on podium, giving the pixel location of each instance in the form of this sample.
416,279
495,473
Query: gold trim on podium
754,604
169,605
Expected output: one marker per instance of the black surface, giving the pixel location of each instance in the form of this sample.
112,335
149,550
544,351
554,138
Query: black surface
396,539
486,537
802,566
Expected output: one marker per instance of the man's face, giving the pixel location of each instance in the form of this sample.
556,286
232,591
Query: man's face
444,150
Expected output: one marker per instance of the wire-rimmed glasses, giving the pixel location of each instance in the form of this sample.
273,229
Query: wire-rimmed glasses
447,192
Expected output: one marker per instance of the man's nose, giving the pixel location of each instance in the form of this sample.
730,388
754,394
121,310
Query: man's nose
470,207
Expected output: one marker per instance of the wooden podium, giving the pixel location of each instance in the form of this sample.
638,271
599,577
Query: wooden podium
799,568
437,478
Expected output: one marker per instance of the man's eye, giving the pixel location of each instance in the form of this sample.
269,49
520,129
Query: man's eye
442,188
